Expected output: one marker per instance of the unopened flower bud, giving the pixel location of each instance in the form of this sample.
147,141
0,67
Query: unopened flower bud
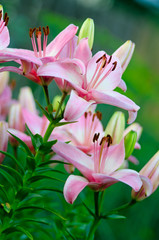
3,138
124,53
26,99
15,118
115,127
87,31
4,78
56,102
135,127
129,141
150,178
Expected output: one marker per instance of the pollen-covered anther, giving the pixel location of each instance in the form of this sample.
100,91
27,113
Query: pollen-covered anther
99,115
0,14
6,18
110,58
46,30
103,60
96,136
109,140
115,64
38,32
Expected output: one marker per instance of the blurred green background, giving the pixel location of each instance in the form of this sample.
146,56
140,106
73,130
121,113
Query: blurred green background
115,22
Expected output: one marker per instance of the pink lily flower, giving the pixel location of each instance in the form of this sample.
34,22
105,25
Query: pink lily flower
150,178
103,75
100,171
4,33
80,133
30,61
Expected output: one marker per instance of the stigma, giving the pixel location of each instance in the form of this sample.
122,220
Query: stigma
36,39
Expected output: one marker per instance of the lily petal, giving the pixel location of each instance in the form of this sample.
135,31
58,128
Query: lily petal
73,186
55,47
76,106
4,38
65,70
118,100
83,51
115,157
73,155
122,85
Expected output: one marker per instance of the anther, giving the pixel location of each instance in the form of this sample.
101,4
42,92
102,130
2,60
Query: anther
48,30
110,58
6,18
109,140
30,32
94,115
99,115
96,136
115,64
85,114
104,56
0,14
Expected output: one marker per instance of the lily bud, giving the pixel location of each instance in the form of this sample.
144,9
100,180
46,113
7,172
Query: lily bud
124,53
115,127
87,31
129,141
3,138
4,78
26,99
15,118
150,178
56,102
135,127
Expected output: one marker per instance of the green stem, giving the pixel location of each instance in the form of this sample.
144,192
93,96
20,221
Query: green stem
48,131
96,217
46,93
64,94
101,201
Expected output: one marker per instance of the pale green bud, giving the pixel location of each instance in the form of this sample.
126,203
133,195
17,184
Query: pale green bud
129,141
56,102
115,127
87,31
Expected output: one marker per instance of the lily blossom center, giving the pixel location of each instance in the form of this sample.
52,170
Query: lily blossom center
104,66
101,151
36,39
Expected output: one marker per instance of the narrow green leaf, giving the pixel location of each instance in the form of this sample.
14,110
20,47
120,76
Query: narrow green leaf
53,161
34,220
14,159
27,150
115,216
18,177
47,146
45,169
29,131
63,123
48,189
8,177
23,230
42,177
40,208
49,117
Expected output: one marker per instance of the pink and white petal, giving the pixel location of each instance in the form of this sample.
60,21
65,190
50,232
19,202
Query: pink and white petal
25,138
129,177
124,53
80,65
73,186
115,157
133,160
34,122
13,54
145,191
76,106
67,71
4,38
118,100
69,48
76,157
55,47
83,51
122,85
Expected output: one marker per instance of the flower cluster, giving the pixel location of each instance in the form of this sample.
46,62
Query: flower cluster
73,134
